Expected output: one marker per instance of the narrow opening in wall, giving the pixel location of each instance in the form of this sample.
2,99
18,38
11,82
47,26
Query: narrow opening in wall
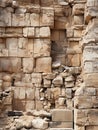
58,46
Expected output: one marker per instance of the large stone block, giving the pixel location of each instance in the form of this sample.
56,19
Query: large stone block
44,32
60,129
19,92
34,19
43,64
78,9
13,32
78,20
28,64
12,43
30,93
28,32
91,67
91,79
36,78
20,18
85,102
61,124
30,105
10,64
62,115
73,60
41,47
86,117
91,127
90,53
5,17
47,17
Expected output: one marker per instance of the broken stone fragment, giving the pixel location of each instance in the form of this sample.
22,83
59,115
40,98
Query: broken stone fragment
58,80
39,123
69,78
56,64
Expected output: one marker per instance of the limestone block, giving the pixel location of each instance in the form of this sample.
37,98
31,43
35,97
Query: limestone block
47,17
90,53
43,64
30,105
28,64
91,127
5,17
86,117
12,43
60,129
78,20
84,102
77,33
8,100
60,125
28,32
47,83
22,43
23,53
4,53
85,91
44,32
19,105
39,105
12,46
91,79
36,78
6,85
91,67
7,78
20,19
79,127
69,84
10,64
46,3
34,19
74,60
55,92
62,115
41,47
70,32
26,78
78,9
68,92
30,47
30,95
58,81
39,123
13,32
19,92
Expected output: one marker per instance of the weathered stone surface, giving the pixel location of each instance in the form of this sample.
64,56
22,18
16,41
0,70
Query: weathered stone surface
10,64
39,123
62,115
86,117
58,80
28,64
28,32
41,47
43,65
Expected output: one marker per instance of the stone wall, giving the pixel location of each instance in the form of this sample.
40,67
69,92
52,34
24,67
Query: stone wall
48,64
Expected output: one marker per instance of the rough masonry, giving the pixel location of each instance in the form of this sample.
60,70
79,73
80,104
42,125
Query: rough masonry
48,65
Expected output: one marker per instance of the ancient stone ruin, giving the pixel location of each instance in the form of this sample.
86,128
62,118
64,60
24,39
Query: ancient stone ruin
48,64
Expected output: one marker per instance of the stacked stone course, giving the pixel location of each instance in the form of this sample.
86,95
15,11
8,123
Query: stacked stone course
48,64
